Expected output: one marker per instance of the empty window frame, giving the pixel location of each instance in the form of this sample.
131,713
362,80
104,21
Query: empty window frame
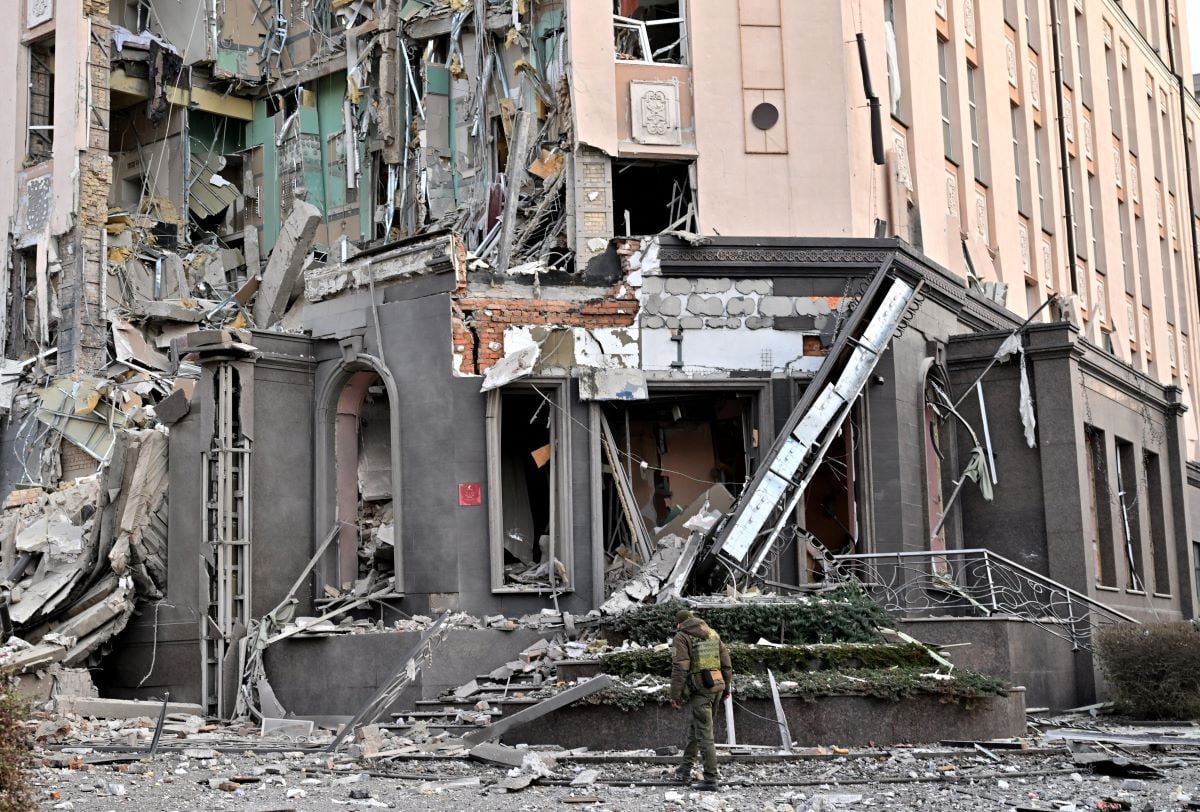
1102,520
529,487
650,31
653,196
40,138
1159,565
1129,508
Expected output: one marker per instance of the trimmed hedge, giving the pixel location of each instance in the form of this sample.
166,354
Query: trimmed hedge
893,684
1153,670
846,615
749,659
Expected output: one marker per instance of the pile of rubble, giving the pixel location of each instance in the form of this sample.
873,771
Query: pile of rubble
78,558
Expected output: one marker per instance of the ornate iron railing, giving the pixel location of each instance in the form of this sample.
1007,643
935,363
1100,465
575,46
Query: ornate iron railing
977,583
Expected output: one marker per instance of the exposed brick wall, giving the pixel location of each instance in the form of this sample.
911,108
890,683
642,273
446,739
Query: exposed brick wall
83,330
478,324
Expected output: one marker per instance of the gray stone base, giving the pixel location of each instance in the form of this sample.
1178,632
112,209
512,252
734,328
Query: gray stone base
839,720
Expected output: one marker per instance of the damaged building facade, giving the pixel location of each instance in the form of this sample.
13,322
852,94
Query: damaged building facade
500,306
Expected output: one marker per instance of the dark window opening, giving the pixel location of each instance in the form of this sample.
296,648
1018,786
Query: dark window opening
1129,507
1102,528
525,451
363,453
830,512
1158,531
650,197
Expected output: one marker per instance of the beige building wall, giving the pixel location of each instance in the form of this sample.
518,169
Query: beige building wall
812,174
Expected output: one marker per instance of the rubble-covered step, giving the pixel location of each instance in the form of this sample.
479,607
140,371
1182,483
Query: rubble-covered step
434,714
425,705
452,729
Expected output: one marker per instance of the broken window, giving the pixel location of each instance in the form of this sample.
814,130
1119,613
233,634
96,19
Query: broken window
363,450
1158,531
1130,509
668,453
40,141
650,31
1102,530
529,493
830,503
34,314
650,197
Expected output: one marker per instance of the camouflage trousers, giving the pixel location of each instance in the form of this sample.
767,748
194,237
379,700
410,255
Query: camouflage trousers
700,734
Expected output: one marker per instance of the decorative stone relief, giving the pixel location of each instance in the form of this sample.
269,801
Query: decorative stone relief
940,7
1087,138
1035,86
1158,202
1108,34
1068,119
1130,321
1133,182
1147,336
968,12
900,149
951,194
1023,242
38,12
1047,262
1010,55
1171,348
1101,302
981,223
655,111
1117,165
1171,218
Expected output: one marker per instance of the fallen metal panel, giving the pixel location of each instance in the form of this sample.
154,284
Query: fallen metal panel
561,700
76,410
814,422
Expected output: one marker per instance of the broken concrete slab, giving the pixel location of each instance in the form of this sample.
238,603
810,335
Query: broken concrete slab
120,708
286,263
560,700
498,754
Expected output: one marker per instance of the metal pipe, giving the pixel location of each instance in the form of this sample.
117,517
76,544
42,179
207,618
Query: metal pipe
872,102
1069,203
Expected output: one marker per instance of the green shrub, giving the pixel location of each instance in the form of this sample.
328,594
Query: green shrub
15,754
748,659
892,684
846,615
1153,670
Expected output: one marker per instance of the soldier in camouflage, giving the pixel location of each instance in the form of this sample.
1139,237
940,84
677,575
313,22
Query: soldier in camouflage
701,676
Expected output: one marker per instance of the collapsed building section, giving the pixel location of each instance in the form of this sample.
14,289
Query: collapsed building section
421,300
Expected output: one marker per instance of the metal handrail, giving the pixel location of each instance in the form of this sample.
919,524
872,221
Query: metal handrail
1033,575
949,580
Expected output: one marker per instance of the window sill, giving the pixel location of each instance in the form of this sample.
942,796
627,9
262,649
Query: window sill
1104,588
1141,592
1167,596
522,590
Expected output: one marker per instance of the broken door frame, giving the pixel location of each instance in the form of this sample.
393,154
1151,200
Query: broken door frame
761,388
561,477
325,458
